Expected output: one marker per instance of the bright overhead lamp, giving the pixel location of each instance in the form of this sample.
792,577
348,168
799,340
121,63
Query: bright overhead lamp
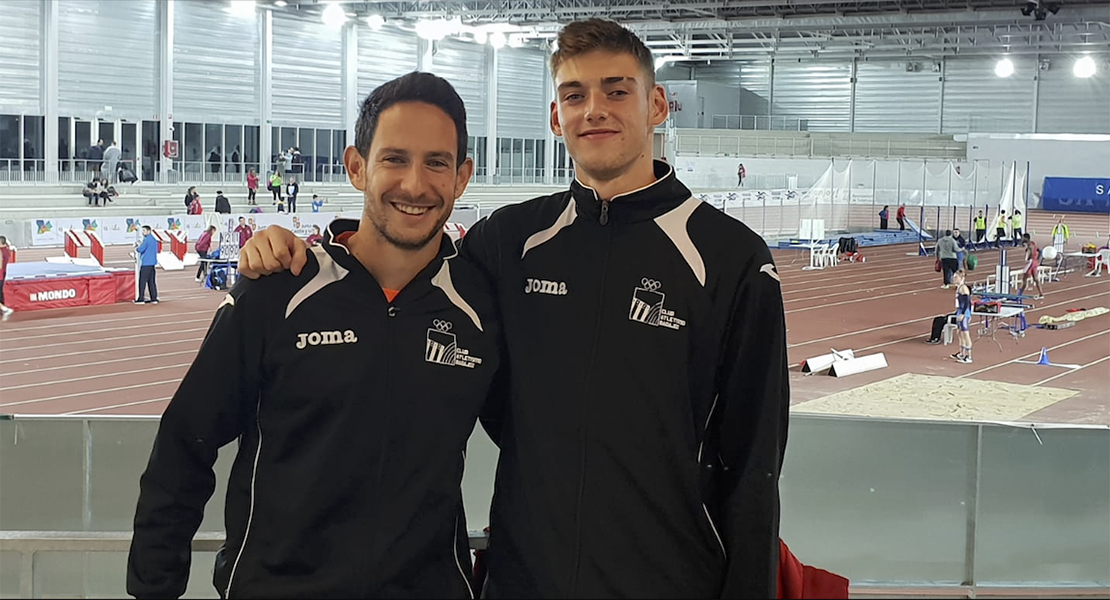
663,60
516,41
480,36
333,15
437,29
241,8
1004,68
497,39
1084,67
375,21
280,3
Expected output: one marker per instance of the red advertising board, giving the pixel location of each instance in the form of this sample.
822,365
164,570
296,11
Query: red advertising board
49,292
62,292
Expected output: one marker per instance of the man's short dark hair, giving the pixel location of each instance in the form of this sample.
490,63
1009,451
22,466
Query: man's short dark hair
582,37
146,228
947,232
413,87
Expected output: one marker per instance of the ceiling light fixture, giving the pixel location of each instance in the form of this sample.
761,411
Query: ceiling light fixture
334,16
1084,67
375,21
280,3
480,36
497,40
241,8
1004,68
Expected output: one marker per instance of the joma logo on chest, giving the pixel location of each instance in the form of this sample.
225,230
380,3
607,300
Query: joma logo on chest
322,338
543,286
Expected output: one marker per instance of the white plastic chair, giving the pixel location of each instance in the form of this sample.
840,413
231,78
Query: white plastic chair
1102,261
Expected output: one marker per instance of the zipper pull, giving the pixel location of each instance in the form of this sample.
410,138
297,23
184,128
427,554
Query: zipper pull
604,219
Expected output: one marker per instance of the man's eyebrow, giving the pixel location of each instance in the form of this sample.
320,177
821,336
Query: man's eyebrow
404,152
570,84
612,80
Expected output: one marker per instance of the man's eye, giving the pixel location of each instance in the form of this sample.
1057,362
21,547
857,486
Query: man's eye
573,97
394,159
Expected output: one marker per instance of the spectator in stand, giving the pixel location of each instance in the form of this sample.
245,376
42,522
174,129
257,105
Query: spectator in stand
235,158
291,191
94,155
901,217
111,162
741,173
195,207
252,187
190,196
204,247
245,232
884,214
223,205
92,192
317,203
275,186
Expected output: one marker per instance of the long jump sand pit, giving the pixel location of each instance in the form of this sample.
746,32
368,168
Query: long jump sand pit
912,396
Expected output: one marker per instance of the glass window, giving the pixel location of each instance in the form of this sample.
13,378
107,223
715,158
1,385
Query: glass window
541,165
338,145
82,133
504,155
480,162
193,152
322,152
213,147
9,137
65,144
275,146
127,144
529,160
250,146
33,133
288,139
233,148
151,148
106,130
306,144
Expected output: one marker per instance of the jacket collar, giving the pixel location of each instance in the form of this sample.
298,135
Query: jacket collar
420,285
647,202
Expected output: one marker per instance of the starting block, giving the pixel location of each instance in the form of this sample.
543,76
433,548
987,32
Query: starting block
820,363
852,366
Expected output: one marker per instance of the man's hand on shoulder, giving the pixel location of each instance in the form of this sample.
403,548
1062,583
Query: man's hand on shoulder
272,250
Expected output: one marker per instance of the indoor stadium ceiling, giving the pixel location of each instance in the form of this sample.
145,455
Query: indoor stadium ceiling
702,30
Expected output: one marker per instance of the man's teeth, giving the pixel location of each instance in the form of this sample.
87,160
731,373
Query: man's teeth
411,210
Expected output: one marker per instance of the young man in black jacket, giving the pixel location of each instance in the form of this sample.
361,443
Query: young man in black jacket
223,205
353,390
647,410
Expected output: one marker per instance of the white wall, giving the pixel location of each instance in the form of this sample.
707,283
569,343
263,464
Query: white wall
1049,155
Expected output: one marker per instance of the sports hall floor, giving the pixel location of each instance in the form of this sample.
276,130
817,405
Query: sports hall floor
126,359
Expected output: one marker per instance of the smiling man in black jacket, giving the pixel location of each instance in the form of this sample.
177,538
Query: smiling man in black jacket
352,391
645,424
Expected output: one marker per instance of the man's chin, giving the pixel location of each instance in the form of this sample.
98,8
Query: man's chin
413,242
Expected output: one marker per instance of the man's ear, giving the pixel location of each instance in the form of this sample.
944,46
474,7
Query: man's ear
556,127
462,177
356,167
659,107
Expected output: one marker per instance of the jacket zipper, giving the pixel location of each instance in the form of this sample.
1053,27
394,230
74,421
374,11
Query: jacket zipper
582,437
391,314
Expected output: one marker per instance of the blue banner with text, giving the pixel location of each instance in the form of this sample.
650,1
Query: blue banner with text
1077,194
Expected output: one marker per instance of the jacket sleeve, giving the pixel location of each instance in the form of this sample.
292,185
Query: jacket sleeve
481,247
754,399
203,416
